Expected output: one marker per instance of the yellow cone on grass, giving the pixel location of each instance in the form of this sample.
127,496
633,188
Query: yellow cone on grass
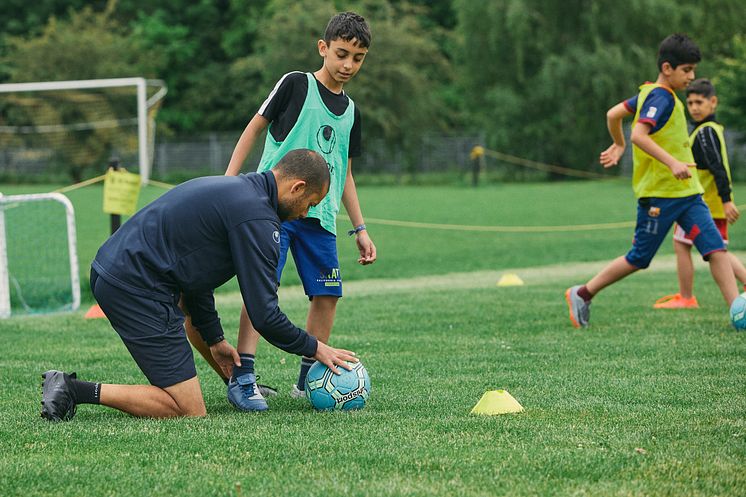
497,402
510,279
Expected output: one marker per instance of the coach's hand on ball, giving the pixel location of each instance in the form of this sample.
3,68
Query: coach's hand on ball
332,357
226,356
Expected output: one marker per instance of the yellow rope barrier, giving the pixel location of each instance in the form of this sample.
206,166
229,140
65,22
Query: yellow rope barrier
97,179
160,184
453,227
82,184
541,166
501,229
508,229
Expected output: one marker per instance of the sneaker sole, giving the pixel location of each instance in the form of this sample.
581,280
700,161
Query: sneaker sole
246,410
574,321
676,306
44,411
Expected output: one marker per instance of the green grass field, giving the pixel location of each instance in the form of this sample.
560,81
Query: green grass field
408,252
644,402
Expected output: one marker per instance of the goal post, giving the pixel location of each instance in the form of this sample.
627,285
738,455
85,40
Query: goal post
145,103
38,255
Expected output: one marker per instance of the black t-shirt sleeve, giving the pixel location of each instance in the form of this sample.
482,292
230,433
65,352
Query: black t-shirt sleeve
284,97
709,147
356,134
255,250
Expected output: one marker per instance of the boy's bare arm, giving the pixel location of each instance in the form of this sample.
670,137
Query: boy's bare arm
641,138
352,206
614,117
245,144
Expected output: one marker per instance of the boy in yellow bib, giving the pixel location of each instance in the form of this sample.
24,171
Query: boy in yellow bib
708,148
662,179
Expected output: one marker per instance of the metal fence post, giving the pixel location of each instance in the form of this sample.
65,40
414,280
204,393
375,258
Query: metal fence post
116,219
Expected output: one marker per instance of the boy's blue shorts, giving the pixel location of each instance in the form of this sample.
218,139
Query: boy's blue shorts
655,216
152,331
314,251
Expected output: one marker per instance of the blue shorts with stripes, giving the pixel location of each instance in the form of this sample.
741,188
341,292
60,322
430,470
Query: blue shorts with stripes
655,216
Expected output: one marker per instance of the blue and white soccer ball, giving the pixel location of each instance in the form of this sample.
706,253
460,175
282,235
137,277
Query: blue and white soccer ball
346,391
738,312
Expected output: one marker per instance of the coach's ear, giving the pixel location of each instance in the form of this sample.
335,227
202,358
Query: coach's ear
298,187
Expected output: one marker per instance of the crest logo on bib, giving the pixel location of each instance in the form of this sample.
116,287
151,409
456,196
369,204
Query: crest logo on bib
326,138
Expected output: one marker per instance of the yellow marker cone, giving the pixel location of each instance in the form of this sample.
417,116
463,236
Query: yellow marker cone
510,279
497,402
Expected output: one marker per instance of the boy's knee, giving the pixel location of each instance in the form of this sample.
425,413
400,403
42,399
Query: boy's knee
638,262
325,301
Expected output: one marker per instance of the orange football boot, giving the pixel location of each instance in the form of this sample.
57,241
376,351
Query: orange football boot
676,301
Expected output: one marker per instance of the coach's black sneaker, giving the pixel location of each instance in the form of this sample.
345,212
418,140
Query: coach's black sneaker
57,399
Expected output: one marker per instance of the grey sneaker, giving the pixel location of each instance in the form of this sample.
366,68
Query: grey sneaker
297,393
266,390
580,310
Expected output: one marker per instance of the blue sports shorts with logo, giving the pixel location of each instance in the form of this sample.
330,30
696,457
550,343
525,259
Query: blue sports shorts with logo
152,331
314,251
655,216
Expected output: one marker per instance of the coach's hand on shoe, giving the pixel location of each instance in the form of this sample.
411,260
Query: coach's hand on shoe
226,356
332,357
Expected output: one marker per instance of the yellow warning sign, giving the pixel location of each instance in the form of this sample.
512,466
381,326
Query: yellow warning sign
121,190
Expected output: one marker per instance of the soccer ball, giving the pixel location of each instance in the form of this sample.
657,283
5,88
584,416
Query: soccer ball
346,391
738,312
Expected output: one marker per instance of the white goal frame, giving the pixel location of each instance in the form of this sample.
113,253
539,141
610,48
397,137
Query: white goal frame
5,310
144,103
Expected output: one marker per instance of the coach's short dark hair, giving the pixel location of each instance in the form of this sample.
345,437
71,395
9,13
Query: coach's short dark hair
701,86
348,26
678,49
306,165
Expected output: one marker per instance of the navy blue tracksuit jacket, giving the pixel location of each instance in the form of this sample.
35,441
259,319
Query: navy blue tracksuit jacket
196,237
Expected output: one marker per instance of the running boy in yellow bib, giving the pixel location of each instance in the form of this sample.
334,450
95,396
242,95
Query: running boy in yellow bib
662,179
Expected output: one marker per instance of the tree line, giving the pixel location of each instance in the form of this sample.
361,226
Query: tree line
535,78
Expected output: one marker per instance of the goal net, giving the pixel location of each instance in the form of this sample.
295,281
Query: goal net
38,256
63,130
